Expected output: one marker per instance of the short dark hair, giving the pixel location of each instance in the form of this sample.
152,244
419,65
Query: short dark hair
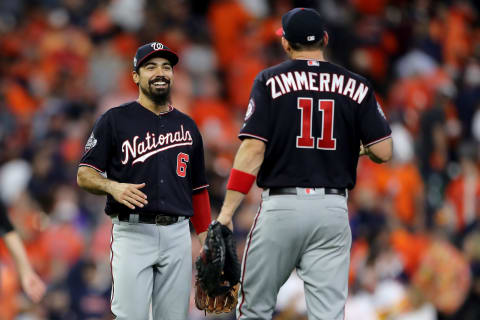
306,47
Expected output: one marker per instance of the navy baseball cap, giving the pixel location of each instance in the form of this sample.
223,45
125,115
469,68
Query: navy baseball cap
153,49
302,25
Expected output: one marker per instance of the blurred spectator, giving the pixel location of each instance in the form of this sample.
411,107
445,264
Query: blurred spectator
31,283
90,290
443,277
462,199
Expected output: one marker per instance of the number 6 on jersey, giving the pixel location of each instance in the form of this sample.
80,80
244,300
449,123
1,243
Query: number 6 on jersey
306,139
182,160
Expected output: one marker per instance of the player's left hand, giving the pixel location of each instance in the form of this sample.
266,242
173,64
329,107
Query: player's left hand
223,303
218,271
33,285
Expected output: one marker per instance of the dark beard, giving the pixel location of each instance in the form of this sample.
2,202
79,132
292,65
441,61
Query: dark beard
158,97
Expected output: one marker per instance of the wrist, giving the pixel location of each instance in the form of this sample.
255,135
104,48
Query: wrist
240,181
226,221
108,187
224,217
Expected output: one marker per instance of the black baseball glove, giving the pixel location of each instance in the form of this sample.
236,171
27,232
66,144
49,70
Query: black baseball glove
218,271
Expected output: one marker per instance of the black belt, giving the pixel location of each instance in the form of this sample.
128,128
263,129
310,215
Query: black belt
158,219
293,191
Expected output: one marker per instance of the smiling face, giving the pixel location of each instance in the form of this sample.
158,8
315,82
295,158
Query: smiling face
155,78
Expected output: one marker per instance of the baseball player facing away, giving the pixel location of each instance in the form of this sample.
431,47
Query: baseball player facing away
147,157
305,124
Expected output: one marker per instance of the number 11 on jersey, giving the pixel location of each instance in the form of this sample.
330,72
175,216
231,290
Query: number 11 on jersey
306,139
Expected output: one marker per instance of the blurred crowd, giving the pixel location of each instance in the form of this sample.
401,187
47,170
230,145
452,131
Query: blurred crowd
415,221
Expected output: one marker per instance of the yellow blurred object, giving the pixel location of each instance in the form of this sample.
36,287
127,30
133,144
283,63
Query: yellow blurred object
443,276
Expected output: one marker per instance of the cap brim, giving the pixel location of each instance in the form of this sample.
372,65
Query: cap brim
279,32
163,53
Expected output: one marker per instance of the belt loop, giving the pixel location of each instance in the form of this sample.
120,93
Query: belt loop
321,191
133,218
265,194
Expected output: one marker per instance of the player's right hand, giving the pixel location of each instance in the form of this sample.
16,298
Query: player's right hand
129,194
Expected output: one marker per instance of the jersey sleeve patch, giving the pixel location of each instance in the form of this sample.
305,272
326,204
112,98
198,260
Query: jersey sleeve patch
92,142
250,109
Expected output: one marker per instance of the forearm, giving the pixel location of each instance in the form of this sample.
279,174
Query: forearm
17,250
230,204
249,158
93,182
127,194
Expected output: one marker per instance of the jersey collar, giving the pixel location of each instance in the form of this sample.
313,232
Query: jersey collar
170,109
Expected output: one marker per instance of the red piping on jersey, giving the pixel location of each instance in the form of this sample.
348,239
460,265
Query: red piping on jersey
204,186
245,261
378,140
253,136
111,269
89,165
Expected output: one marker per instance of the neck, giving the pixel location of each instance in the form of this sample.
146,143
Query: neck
308,55
152,106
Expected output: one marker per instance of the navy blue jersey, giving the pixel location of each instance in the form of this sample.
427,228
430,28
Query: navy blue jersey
312,115
131,144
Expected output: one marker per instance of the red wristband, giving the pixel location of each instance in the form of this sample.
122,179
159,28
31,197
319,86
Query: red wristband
240,181
201,211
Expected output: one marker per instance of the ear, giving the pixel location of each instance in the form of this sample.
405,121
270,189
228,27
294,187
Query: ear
286,45
136,77
325,39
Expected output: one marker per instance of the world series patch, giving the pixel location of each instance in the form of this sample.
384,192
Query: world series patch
250,109
92,142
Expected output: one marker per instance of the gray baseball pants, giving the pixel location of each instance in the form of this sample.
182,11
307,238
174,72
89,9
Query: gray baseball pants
309,231
151,264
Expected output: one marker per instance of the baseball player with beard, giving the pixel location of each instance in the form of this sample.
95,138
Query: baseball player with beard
306,121
147,157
